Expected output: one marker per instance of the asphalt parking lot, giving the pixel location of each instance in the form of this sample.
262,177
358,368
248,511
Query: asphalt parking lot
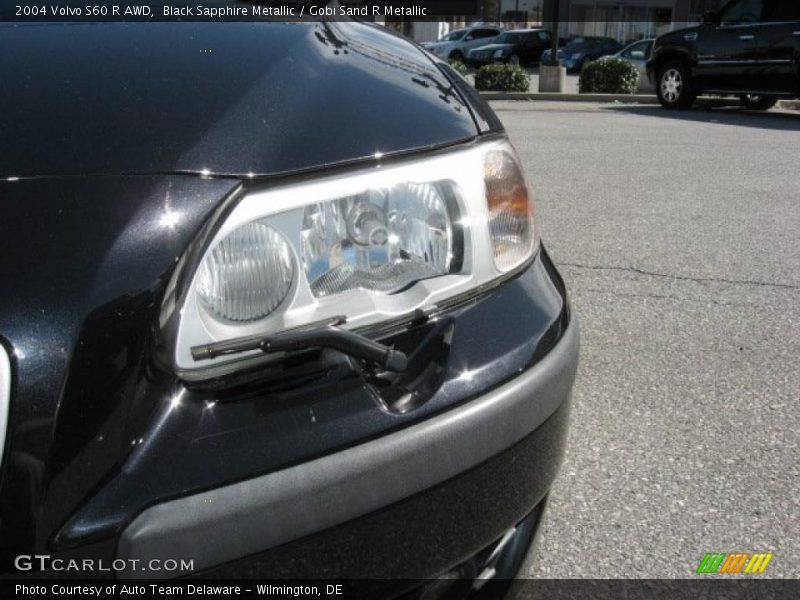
678,237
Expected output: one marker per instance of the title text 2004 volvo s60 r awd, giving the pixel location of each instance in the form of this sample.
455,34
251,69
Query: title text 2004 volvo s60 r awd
279,309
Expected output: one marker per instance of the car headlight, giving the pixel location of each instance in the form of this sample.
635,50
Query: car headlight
370,246
576,56
498,54
247,275
382,240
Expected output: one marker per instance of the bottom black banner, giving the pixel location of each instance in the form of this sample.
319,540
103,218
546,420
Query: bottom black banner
439,589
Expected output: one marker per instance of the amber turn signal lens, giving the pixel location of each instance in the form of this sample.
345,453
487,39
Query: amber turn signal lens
511,215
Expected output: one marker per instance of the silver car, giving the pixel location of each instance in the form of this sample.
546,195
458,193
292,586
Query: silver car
456,44
637,54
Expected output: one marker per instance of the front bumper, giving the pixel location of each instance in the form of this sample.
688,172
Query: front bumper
411,504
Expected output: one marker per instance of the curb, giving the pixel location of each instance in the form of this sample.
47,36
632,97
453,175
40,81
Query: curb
569,97
620,98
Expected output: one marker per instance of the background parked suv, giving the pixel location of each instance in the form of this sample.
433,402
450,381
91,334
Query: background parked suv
457,44
749,48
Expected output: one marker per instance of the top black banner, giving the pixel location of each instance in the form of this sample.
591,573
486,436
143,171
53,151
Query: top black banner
232,10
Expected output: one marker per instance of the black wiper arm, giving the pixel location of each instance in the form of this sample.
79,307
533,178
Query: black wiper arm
347,342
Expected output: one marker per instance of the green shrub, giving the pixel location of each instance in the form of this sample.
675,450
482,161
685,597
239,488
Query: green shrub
458,66
502,78
608,76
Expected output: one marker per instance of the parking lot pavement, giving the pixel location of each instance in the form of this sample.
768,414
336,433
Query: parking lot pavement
677,235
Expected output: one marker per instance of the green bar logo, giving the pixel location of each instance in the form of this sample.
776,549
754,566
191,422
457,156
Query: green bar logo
734,562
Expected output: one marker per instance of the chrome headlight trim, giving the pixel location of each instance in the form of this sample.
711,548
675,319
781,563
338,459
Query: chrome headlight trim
5,397
283,204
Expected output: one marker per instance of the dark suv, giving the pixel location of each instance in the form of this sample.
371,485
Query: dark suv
749,48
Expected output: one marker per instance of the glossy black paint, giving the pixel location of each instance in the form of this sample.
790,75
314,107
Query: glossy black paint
84,262
211,438
108,147
267,98
426,534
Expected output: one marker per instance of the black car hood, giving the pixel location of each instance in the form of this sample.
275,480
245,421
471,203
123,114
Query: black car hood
225,98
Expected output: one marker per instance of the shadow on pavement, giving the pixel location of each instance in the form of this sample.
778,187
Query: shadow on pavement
777,120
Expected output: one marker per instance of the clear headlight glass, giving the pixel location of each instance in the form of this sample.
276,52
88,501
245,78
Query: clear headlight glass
247,274
381,240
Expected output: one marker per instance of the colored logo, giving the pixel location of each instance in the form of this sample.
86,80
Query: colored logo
734,562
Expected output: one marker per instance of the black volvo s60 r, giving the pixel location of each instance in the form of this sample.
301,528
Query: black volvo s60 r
274,304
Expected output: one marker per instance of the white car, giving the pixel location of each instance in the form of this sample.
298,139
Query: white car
456,44
637,54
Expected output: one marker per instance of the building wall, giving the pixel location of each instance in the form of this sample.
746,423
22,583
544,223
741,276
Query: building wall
626,20
520,12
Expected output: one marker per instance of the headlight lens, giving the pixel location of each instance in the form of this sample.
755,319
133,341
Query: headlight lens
498,54
247,274
371,245
382,240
